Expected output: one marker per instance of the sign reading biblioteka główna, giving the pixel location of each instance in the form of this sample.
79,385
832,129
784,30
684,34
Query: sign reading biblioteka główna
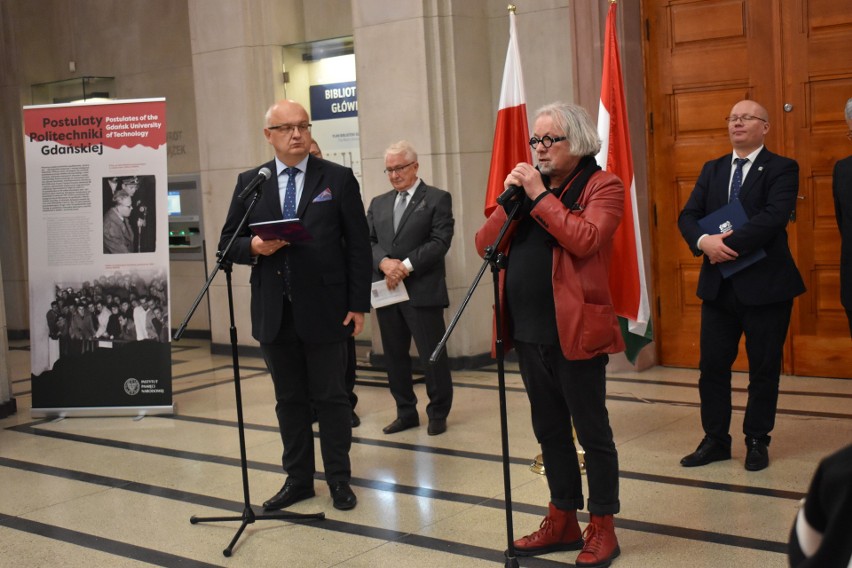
98,258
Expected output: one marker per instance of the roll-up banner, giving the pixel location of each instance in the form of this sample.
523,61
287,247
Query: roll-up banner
98,258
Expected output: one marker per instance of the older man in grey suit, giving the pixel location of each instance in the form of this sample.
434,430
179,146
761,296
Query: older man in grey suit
411,227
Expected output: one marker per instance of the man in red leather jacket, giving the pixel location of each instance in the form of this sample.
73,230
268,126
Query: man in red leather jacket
558,315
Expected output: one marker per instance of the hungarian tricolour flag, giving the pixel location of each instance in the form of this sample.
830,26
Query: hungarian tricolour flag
511,137
627,274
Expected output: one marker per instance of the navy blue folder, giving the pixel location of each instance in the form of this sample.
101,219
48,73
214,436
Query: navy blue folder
730,217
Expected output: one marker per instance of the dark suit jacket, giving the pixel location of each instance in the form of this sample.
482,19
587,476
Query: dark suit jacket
768,196
423,236
329,275
842,189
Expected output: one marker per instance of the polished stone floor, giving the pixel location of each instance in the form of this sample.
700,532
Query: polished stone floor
120,491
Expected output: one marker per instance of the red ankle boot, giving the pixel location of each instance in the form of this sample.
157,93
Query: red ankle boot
601,546
558,531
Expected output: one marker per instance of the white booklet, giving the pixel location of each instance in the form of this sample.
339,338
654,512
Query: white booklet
381,295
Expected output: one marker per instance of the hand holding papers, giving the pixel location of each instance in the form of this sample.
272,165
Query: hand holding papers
730,217
381,295
290,230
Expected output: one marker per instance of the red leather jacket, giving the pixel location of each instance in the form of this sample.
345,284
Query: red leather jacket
585,318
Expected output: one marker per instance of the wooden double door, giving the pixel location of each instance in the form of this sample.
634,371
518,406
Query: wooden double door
795,58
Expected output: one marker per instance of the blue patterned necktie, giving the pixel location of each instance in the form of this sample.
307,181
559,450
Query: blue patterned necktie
289,208
737,182
289,211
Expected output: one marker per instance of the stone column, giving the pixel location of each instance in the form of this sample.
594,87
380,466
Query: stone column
236,59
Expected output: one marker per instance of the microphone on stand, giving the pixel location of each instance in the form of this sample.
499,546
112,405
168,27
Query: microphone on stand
263,175
511,192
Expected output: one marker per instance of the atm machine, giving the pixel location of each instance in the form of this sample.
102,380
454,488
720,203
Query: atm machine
186,231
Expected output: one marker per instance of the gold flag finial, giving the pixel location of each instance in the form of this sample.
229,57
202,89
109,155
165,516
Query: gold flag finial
511,8
613,1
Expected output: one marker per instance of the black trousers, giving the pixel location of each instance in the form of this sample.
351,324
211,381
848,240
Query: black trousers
306,376
398,323
562,391
351,374
723,321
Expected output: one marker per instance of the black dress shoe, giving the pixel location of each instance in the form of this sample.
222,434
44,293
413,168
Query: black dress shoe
708,451
437,426
342,495
355,420
400,424
290,493
757,454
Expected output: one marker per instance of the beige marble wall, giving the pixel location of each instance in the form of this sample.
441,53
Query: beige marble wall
144,44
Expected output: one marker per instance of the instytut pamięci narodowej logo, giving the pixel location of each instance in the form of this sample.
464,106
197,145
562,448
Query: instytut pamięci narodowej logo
131,386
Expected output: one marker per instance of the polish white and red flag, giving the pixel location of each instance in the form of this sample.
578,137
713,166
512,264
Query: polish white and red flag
627,272
511,136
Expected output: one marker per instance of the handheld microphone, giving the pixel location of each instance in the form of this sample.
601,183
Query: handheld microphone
263,175
511,192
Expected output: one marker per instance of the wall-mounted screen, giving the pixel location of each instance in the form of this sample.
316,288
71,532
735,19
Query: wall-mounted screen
174,203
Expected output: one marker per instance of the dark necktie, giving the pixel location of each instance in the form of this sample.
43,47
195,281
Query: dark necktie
737,182
128,234
289,211
399,209
289,208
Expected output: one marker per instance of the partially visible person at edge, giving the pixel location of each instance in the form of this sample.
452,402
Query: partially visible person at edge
351,363
307,298
558,314
841,185
820,537
756,301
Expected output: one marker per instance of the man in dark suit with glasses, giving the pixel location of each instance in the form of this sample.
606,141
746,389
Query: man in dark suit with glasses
307,298
756,301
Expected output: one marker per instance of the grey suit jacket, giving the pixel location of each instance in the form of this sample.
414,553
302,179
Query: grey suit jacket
423,236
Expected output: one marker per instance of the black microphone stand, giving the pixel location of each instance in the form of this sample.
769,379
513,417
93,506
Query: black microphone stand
497,261
248,515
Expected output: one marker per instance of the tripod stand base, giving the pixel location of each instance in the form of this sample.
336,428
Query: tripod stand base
248,517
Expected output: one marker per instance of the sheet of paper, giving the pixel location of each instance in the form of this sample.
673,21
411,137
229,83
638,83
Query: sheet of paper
381,295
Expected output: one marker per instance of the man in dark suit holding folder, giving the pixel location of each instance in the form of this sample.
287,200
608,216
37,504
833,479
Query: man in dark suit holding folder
307,298
758,299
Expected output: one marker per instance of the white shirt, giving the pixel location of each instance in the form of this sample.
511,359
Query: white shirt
283,178
746,166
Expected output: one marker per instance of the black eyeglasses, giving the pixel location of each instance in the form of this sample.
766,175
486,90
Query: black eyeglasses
743,117
290,128
391,171
546,141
